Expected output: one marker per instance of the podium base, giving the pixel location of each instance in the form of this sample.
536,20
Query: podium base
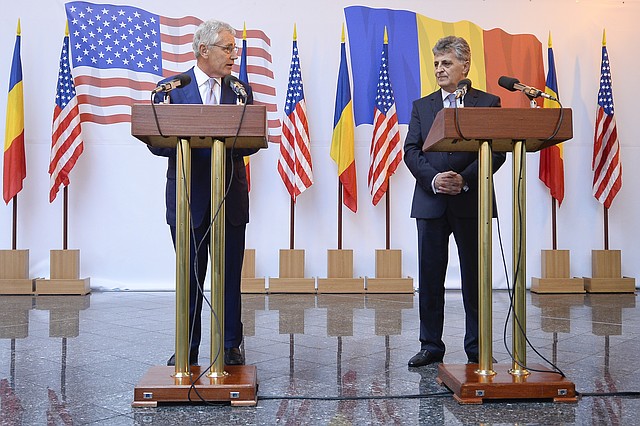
610,285
240,387
340,285
557,285
292,285
252,285
62,286
389,285
470,388
16,286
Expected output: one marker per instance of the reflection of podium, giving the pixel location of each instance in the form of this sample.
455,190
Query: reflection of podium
515,130
208,127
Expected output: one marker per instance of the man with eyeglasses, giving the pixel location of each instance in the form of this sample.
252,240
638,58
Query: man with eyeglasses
215,51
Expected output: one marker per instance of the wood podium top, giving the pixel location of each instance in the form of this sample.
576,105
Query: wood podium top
501,126
200,123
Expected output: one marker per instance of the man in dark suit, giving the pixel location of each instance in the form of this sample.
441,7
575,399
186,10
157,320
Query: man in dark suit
215,51
445,201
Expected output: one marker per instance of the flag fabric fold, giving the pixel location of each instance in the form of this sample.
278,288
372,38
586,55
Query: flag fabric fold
386,150
551,170
294,164
342,141
119,53
66,135
606,164
15,167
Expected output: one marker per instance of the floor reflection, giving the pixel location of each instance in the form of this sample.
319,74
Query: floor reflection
321,359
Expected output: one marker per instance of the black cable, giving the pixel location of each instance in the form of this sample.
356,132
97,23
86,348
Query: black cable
511,291
354,398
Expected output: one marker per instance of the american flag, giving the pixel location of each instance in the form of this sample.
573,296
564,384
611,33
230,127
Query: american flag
66,137
606,164
386,151
294,164
119,53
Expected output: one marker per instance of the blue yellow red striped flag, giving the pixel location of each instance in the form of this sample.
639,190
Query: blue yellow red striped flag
342,141
15,168
551,170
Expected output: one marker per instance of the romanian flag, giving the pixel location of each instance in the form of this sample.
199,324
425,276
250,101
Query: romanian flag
15,168
342,141
243,76
551,159
411,37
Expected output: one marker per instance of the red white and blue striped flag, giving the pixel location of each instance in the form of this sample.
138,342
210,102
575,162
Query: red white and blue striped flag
386,151
66,135
119,53
294,164
606,164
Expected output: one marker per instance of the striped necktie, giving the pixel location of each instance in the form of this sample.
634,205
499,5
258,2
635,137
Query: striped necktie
452,100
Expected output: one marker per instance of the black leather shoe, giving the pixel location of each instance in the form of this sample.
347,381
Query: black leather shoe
424,357
233,356
193,359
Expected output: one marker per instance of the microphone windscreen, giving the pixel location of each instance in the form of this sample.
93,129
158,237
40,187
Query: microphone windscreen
229,79
184,79
508,82
464,82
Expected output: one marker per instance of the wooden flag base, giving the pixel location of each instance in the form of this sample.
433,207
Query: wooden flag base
606,267
14,272
471,388
556,274
65,275
249,283
292,278
389,274
239,387
340,274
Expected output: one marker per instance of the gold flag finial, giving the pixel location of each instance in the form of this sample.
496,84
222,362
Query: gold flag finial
244,31
549,39
66,28
295,33
386,37
342,39
604,37
18,31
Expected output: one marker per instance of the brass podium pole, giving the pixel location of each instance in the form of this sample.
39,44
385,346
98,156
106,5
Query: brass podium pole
519,259
183,188
216,246
485,214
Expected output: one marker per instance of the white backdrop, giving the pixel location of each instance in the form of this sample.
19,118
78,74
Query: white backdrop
116,208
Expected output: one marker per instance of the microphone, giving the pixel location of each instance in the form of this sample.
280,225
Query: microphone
236,86
179,81
463,86
513,84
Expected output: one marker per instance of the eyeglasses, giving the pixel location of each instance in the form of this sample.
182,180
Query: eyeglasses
228,48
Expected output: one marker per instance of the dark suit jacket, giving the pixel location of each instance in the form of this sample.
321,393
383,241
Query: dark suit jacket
425,165
237,201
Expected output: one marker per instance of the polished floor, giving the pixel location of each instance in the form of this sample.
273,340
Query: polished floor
321,360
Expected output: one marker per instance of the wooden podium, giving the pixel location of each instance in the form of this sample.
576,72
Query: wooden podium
206,127
515,130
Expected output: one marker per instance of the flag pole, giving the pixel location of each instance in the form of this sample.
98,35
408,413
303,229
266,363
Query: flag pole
65,217
292,223
339,214
14,232
606,228
554,228
387,214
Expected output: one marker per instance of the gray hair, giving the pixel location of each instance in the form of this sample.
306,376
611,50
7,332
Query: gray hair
454,44
208,34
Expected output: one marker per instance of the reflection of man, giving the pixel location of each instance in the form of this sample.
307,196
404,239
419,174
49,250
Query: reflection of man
445,201
215,51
